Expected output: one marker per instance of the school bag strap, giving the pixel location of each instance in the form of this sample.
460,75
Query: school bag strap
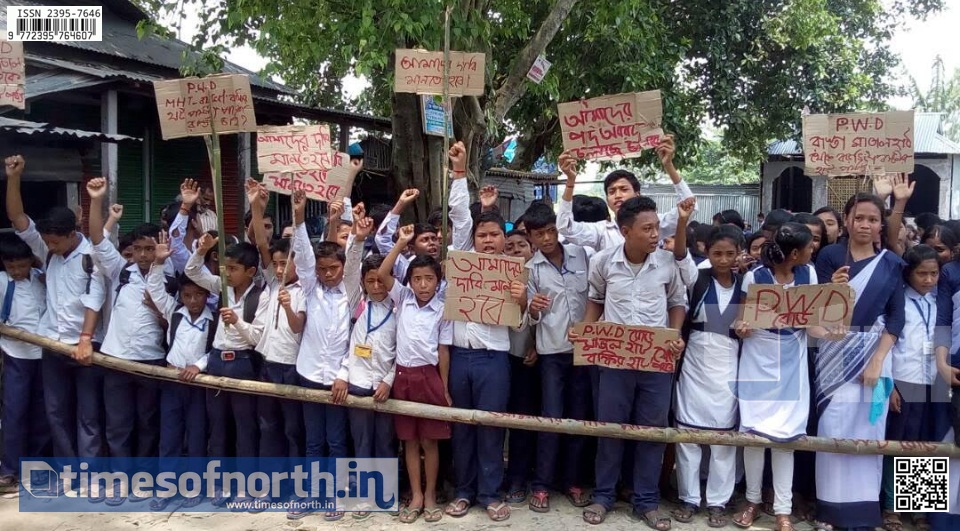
250,303
86,262
177,317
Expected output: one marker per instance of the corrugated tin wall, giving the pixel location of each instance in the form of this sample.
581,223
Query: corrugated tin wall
712,199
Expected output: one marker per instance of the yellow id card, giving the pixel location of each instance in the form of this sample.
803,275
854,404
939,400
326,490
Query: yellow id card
363,351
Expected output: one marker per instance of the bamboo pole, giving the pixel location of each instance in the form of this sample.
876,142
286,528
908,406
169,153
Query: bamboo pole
216,176
447,114
507,420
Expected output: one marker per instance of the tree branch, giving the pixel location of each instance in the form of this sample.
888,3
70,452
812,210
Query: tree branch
513,86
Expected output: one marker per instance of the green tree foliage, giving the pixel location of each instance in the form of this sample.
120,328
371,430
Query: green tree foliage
746,66
943,96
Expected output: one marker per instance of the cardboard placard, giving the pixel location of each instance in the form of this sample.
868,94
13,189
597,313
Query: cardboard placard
13,73
770,306
323,184
616,346
195,106
291,148
478,288
612,127
421,72
858,144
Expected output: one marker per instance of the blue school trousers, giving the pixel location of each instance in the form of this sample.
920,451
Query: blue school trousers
224,408
522,444
566,393
183,419
281,421
325,425
633,397
132,414
372,431
73,400
479,379
25,429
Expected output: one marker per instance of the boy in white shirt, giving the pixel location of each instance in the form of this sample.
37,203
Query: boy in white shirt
192,326
72,389
25,429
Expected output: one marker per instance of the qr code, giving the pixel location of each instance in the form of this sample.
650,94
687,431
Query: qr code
920,484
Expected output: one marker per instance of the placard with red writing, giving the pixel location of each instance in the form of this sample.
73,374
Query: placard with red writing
478,288
293,148
328,183
612,127
12,73
421,72
858,144
616,346
770,306
196,107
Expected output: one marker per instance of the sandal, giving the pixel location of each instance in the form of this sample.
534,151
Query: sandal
577,497
821,526
361,515
685,513
892,522
190,503
498,512
409,515
783,523
333,516
540,501
748,515
432,514
517,496
716,517
921,523
654,520
595,514
458,507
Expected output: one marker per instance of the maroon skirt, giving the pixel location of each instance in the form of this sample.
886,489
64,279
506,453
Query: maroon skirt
424,385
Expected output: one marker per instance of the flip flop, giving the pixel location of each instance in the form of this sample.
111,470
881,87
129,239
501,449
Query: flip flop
540,501
409,516
432,514
654,520
497,513
577,497
594,514
685,513
716,517
454,508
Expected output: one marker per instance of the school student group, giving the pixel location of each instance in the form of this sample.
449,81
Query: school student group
359,311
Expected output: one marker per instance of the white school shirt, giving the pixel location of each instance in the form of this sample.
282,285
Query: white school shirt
601,235
26,311
177,231
68,296
189,347
278,343
642,297
910,363
134,332
241,335
567,289
369,372
326,334
423,329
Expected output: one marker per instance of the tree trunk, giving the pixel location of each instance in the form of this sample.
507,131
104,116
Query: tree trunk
411,165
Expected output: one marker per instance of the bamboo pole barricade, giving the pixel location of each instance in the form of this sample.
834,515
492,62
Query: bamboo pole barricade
507,420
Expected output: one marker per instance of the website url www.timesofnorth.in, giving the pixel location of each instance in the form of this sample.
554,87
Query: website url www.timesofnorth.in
289,505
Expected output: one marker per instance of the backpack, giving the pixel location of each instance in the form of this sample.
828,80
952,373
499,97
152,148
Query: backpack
86,261
175,320
697,297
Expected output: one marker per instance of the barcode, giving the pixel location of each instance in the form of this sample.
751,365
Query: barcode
26,25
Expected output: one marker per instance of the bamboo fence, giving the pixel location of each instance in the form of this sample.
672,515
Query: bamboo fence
508,420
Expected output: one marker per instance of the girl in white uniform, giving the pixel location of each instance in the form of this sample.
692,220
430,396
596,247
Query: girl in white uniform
706,389
773,385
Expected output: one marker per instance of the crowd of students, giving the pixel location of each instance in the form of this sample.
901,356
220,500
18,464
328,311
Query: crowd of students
361,314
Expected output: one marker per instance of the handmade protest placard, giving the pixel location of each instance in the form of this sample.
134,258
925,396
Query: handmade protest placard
612,127
291,148
636,348
199,106
421,72
12,73
770,306
478,288
858,144
328,183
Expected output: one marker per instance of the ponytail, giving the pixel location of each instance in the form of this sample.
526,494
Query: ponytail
789,237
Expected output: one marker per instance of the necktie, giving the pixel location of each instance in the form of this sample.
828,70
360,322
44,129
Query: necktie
7,301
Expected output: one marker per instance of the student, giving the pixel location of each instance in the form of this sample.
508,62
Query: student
942,240
773,221
422,371
817,228
72,389
947,418
524,390
480,379
331,287
752,252
634,283
25,430
242,319
912,403
706,395
557,288
280,421
729,217
619,186
852,364
190,335
134,334
773,386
